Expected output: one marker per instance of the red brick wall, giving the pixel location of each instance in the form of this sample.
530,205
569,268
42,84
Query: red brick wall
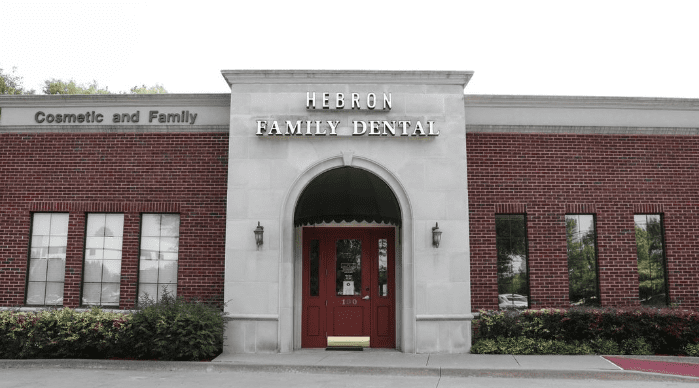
130,173
611,176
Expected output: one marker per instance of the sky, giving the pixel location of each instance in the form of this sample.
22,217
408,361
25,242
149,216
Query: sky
587,48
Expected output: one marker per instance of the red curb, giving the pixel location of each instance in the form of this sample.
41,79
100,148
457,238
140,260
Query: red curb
673,368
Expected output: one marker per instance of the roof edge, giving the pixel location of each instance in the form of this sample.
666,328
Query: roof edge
347,77
218,99
580,102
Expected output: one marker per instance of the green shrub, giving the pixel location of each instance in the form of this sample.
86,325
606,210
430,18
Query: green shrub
485,346
171,329
604,346
519,345
523,345
177,329
639,330
504,345
636,346
562,347
63,333
692,350
475,332
493,324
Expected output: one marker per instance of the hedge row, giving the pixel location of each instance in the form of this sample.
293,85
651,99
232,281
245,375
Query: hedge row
172,329
595,330
523,345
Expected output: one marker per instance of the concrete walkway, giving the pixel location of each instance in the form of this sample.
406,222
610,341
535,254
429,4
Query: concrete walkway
393,363
389,362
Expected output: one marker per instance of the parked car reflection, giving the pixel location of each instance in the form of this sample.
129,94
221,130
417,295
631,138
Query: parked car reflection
591,301
655,300
512,301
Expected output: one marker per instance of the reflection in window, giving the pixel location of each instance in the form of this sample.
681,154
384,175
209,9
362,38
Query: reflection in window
383,267
47,259
349,267
102,271
315,268
651,259
511,242
582,259
160,235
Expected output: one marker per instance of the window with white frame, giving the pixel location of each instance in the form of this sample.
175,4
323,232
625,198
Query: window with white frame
102,269
160,235
47,259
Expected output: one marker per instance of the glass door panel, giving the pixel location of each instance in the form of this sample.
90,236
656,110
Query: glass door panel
348,271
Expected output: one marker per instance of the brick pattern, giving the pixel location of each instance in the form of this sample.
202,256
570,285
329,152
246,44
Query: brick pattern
510,208
611,176
581,208
648,208
130,173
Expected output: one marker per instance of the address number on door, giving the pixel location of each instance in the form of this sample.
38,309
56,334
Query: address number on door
349,301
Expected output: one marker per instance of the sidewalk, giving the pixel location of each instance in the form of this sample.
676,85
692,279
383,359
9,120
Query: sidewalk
390,362
394,363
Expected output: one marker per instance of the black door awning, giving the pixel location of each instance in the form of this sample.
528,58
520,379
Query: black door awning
347,194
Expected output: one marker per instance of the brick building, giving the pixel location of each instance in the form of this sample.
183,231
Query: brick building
54,180
611,160
391,207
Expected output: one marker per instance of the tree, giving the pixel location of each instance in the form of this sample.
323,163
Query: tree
582,264
651,263
143,89
511,244
58,86
11,83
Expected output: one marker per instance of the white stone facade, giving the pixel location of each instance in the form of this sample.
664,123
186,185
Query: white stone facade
426,173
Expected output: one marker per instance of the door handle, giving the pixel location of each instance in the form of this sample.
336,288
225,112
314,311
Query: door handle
366,297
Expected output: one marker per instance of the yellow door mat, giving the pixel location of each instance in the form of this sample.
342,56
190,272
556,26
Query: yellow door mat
347,343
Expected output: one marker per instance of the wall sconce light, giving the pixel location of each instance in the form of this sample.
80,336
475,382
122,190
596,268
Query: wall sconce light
436,235
258,234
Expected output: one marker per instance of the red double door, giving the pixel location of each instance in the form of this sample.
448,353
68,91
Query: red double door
348,285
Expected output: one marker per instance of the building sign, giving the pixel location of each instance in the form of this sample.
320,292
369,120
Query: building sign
337,102
133,117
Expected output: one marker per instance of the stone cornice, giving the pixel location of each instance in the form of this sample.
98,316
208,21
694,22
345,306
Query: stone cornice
19,101
115,129
346,77
581,130
578,102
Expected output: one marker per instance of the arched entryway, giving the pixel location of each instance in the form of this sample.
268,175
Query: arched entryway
348,218
341,208
347,194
